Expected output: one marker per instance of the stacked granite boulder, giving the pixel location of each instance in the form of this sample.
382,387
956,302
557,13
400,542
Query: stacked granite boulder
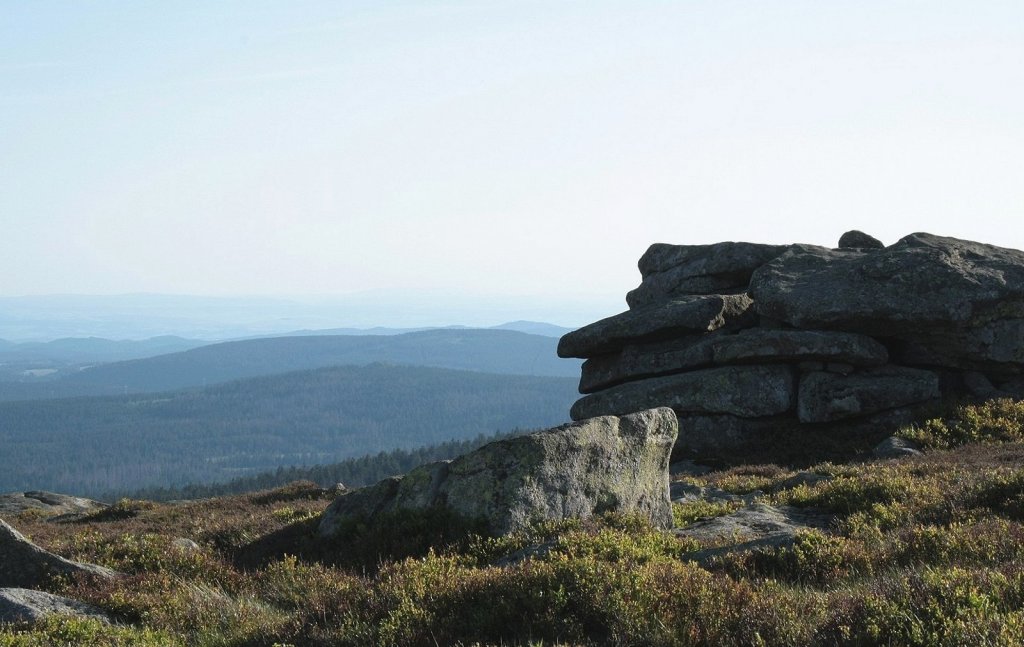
791,352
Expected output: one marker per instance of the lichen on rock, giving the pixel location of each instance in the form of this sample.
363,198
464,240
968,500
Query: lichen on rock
605,464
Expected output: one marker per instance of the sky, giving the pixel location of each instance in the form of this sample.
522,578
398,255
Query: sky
520,150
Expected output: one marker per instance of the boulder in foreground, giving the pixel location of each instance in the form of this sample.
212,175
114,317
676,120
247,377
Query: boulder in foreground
25,565
605,464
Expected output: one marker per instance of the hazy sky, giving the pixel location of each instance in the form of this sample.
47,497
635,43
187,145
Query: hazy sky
486,147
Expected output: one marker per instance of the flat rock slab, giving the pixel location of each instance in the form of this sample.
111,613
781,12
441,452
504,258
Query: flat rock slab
747,391
752,527
671,271
637,361
669,285
753,346
921,283
26,605
577,470
49,503
716,259
824,397
25,565
697,314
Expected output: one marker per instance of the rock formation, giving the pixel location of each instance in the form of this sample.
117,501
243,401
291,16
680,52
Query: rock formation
26,605
25,565
769,352
754,526
576,470
48,504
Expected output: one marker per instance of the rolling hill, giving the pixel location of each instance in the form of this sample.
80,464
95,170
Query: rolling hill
488,350
94,445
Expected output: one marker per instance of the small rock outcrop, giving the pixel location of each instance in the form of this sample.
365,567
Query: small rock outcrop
572,471
25,605
895,447
767,350
752,527
25,565
49,504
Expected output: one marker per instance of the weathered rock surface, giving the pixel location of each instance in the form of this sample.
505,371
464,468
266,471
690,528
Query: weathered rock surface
854,239
830,396
25,605
685,315
749,391
676,270
766,345
895,447
996,347
47,503
920,283
837,346
752,527
576,470
646,360
25,565
752,346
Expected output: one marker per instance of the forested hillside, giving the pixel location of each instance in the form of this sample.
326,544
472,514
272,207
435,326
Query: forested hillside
351,472
493,351
91,446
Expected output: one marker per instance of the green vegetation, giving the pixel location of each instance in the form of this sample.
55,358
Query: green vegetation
924,551
91,446
995,421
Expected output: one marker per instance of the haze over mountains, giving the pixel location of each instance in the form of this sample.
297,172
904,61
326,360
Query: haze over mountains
141,316
494,351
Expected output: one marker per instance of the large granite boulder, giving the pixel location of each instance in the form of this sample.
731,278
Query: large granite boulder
25,605
25,565
573,471
806,351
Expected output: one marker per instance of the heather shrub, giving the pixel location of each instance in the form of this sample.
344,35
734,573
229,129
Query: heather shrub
994,421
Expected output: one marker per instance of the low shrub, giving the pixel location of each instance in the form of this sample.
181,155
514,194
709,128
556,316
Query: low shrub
995,421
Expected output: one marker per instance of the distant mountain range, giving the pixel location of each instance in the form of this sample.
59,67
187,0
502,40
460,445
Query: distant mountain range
529,327
493,351
93,415
94,349
94,445
138,316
